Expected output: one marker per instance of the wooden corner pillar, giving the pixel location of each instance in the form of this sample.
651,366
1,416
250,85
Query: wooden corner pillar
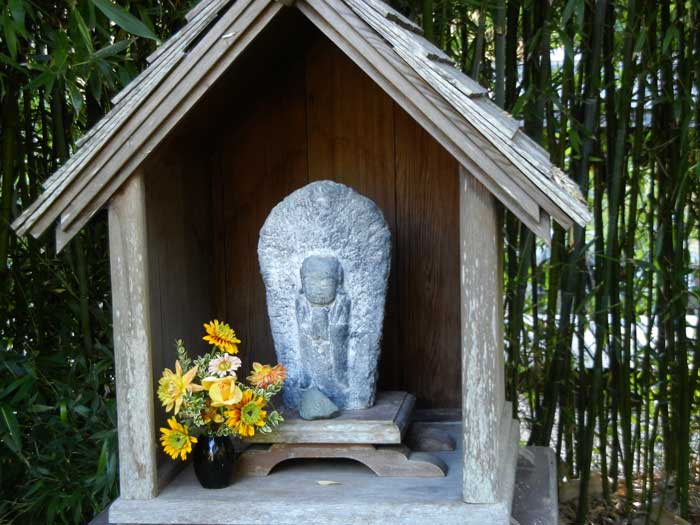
132,340
490,434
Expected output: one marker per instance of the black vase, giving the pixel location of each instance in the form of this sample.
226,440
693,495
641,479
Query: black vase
213,458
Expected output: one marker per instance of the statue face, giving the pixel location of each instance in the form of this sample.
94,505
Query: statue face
320,279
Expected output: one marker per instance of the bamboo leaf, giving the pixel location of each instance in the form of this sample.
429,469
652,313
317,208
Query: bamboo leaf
18,14
639,43
83,30
10,35
76,96
569,9
9,430
17,10
671,36
124,19
112,50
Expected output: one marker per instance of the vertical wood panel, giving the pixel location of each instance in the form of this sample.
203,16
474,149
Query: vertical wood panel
315,115
482,342
427,238
128,247
351,141
180,241
263,160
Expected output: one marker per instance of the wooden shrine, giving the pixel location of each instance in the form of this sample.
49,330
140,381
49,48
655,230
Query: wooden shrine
249,101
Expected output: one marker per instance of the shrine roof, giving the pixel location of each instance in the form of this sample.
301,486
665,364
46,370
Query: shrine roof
389,47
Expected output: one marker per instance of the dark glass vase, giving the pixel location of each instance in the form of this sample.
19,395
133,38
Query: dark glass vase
213,458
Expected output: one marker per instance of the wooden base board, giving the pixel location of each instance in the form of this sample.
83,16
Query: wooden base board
294,495
534,501
382,424
385,461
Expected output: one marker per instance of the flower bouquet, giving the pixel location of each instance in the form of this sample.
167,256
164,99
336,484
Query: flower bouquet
207,398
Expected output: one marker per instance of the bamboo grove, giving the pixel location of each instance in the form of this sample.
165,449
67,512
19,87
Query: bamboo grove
602,326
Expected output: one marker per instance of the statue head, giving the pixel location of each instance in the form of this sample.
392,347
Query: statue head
321,277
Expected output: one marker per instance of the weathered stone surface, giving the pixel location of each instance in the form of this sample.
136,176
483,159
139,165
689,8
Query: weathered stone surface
315,405
324,256
535,491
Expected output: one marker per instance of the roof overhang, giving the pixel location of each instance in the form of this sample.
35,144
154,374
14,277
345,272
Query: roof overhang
388,47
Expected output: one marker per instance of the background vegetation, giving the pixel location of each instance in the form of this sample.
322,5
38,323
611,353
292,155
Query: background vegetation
603,346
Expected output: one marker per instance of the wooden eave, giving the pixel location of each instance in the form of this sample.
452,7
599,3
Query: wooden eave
388,47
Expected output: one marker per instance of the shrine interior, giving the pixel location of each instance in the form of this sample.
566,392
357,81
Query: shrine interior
292,110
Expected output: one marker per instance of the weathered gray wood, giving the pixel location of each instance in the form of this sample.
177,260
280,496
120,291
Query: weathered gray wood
180,251
437,415
483,389
132,341
196,9
61,189
383,424
385,461
497,127
76,194
126,102
292,495
428,437
148,136
534,500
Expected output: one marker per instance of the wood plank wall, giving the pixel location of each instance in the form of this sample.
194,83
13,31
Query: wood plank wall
180,256
311,114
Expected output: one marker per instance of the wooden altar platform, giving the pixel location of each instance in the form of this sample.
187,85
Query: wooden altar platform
383,424
316,491
371,436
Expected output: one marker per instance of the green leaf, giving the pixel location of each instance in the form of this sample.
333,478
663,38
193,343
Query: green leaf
10,35
568,11
671,35
124,19
641,39
114,49
17,10
83,30
46,79
9,429
18,13
76,97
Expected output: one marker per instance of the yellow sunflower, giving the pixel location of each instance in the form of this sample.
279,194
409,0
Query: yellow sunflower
247,414
173,386
222,336
176,440
264,376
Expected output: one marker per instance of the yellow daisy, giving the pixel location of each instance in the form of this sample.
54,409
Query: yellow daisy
173,386
247,414
176,440
222,336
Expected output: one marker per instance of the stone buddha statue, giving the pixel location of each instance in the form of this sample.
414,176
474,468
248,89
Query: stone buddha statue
325,254
323,316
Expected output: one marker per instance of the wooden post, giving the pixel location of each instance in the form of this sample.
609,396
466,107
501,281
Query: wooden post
132,340
490,439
